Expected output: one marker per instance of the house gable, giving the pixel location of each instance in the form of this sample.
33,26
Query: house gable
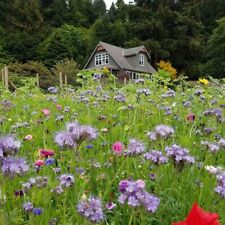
100,49
121,59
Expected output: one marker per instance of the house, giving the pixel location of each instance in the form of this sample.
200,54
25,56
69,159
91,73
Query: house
122,62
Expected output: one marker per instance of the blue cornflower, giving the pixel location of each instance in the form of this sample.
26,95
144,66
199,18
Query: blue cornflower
37,211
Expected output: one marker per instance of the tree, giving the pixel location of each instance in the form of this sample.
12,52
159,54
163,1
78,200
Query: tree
19,15
99,7
215,64
65,42
68,67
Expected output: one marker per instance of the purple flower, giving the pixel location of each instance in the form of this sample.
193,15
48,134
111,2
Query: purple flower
120,98
12,166
144,91
164,131
135,194
91,208
161,131
66,180
179,155
58,189
53,90
212,147
28,206
169,93
222,143
135,147
8,146
220,189
65,139
156,157
110,206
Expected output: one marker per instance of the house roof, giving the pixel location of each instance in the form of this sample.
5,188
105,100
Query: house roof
120,56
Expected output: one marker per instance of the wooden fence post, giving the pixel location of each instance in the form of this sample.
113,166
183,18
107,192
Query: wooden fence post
125,81
65,80
38,83
6,78
3,81
60,81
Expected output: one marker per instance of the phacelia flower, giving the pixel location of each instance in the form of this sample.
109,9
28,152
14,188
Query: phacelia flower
135,147
211,146
156,157
135,194
161,131
28,206
179,154
9,145
65,139
14,166
91,208
66,180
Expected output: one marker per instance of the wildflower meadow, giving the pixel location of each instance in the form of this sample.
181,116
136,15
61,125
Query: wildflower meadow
106,153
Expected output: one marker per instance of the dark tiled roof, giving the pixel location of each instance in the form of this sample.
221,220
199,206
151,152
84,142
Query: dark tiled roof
120,56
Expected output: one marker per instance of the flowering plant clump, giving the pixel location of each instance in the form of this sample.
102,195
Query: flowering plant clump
167,66
135,147
147,148
156,157
75,134
91,208
135,194
203,81
161,131
179,155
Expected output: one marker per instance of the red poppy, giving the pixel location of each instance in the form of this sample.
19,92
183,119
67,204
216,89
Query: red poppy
197,216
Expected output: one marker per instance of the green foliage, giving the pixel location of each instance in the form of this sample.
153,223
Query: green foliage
215,65
64,42
30,69
68,67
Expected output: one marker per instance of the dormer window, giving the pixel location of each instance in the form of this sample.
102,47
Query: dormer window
101,59
141,60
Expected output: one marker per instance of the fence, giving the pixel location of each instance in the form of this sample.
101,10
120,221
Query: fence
7,83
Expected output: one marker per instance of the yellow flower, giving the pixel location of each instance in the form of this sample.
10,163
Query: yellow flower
203,81
167,66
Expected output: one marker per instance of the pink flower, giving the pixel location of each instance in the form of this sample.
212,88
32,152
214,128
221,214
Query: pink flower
39,163
46,153
59,107
46,112
28,137
190,117
117,147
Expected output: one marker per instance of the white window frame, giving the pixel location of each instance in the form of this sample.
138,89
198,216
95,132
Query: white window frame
141,59
101,59
134,75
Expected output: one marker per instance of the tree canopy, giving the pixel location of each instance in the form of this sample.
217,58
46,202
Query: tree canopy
172,30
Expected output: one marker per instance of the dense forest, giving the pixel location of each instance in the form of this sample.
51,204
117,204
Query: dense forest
188,33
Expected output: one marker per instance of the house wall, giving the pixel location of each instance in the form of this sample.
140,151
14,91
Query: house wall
112,64
134,61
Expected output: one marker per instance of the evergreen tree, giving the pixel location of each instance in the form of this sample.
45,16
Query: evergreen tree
215,64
